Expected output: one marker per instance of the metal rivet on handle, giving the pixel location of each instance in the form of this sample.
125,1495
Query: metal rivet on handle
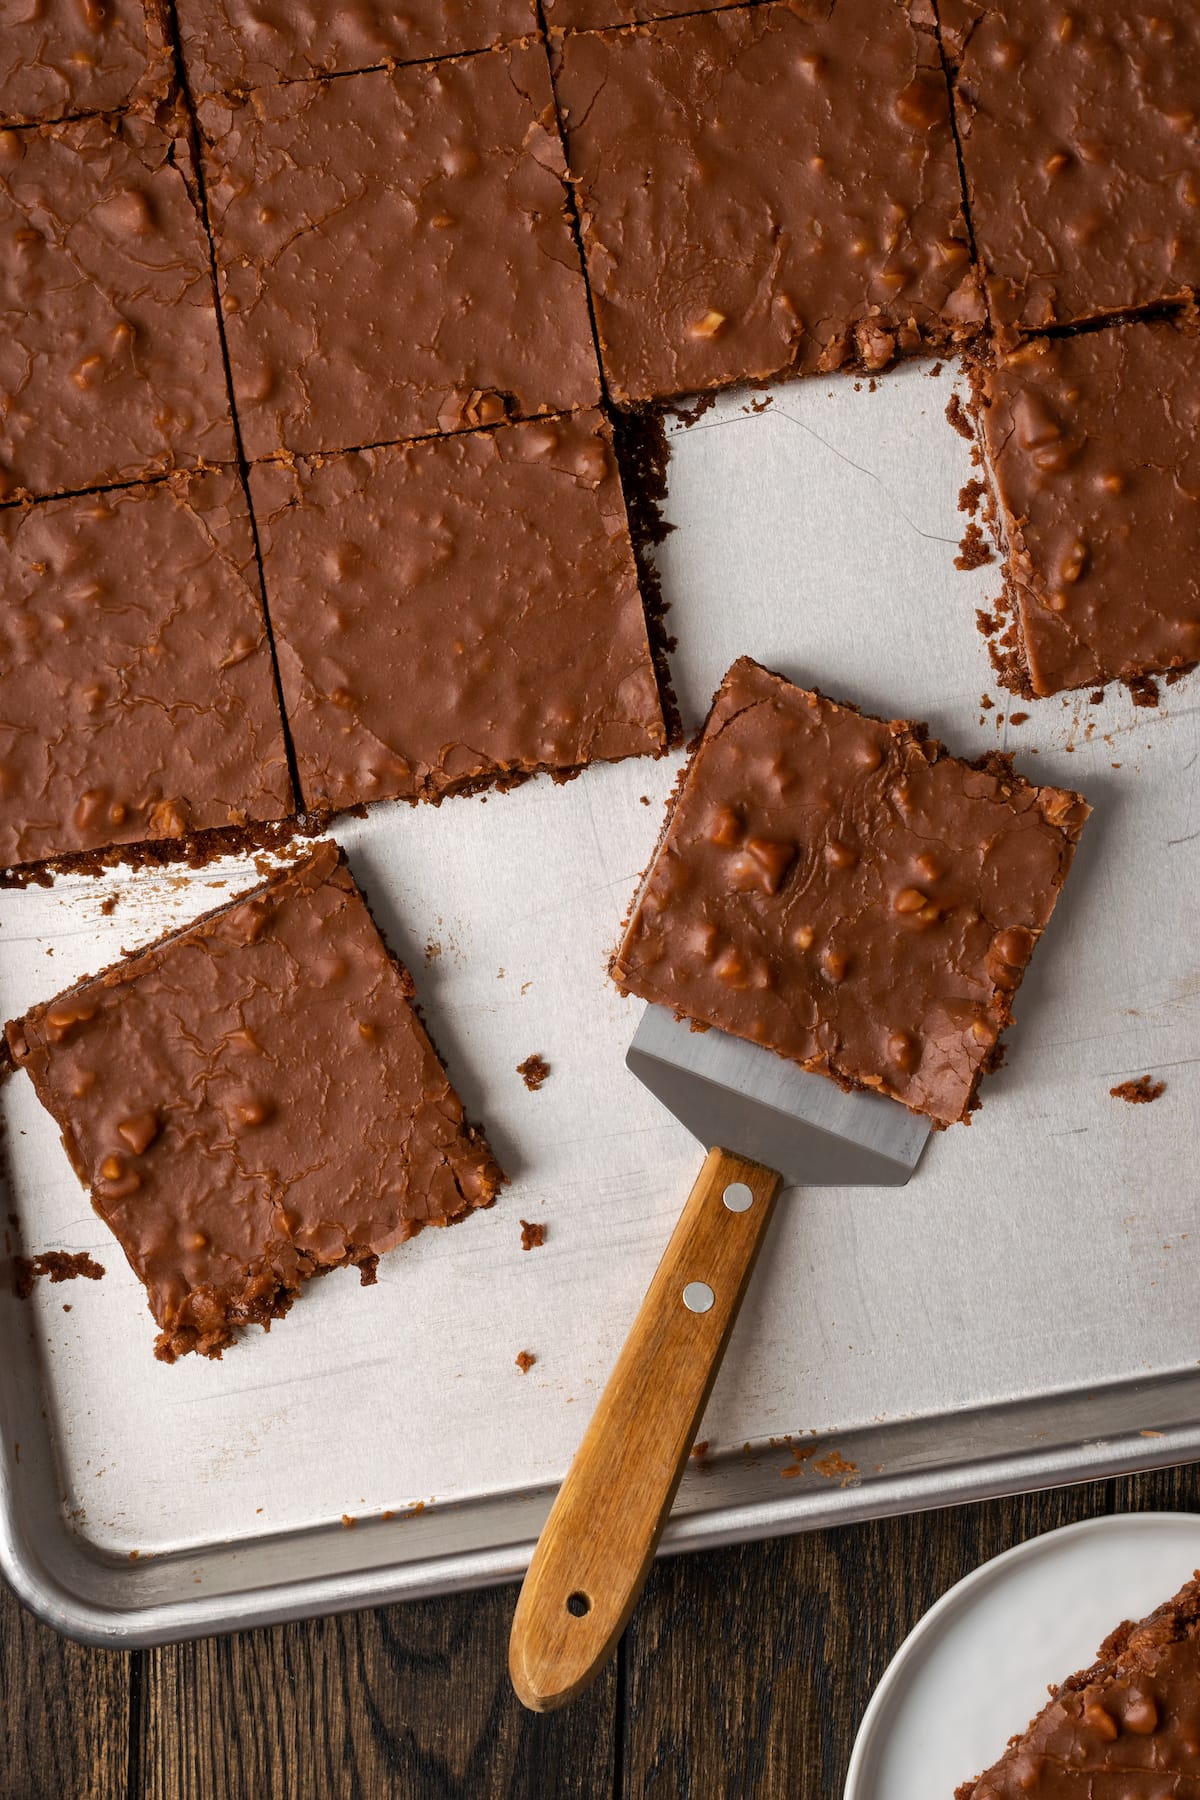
737,1197
698,1296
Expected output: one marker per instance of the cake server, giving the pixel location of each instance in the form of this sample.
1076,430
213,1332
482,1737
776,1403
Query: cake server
766,1123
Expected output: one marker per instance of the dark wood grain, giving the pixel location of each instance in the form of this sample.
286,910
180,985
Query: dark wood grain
750,1669
743,1677
64,1714
412,1702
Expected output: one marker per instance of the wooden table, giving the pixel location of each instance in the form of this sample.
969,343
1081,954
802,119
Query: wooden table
744,1673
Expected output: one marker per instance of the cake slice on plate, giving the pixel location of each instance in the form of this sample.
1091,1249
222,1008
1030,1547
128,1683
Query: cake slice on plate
1128,1728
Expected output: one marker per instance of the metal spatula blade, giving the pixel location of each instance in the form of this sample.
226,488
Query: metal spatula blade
730,1092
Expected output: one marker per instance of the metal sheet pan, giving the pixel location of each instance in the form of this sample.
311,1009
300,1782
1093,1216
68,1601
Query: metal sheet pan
1022,1313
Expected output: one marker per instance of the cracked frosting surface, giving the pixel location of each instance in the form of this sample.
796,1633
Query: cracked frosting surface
456,609
1093,452
1128,1728
110,361
1082,156
239,44
765,191
71,56
137,699
843,891
396,256
254,1101
596,15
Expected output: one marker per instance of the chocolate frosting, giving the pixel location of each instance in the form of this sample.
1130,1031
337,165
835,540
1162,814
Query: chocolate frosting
1126,1729
254,1101
395,254
1081,155
232,45
139,698
594,15
1093,453
74,56
766,190
110,359
494,570
843,891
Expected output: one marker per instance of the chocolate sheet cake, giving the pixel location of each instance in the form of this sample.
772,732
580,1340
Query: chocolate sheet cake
765,191
843,891
110,358
1081,156
137,698
254,1101
1092,448
494,570
395,254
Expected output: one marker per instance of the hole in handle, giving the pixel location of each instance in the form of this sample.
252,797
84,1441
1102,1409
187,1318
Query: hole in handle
578,1605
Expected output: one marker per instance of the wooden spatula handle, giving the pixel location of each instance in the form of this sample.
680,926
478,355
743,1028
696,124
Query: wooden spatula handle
595,1552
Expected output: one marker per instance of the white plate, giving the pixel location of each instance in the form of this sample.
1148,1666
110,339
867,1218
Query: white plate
976,1668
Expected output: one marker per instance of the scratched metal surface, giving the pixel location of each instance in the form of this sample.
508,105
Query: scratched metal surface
1023,1312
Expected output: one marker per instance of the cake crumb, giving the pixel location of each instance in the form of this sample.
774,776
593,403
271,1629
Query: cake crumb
109,906
1139,1092
1096,697
1143,689
956,414
970,496
835,1464
532,1236
986,701
1017,718
985,622
533,1072
348,1522
525,1360
58,1265
645,799
800,1454
433,950
700,1450
974,551
688,415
